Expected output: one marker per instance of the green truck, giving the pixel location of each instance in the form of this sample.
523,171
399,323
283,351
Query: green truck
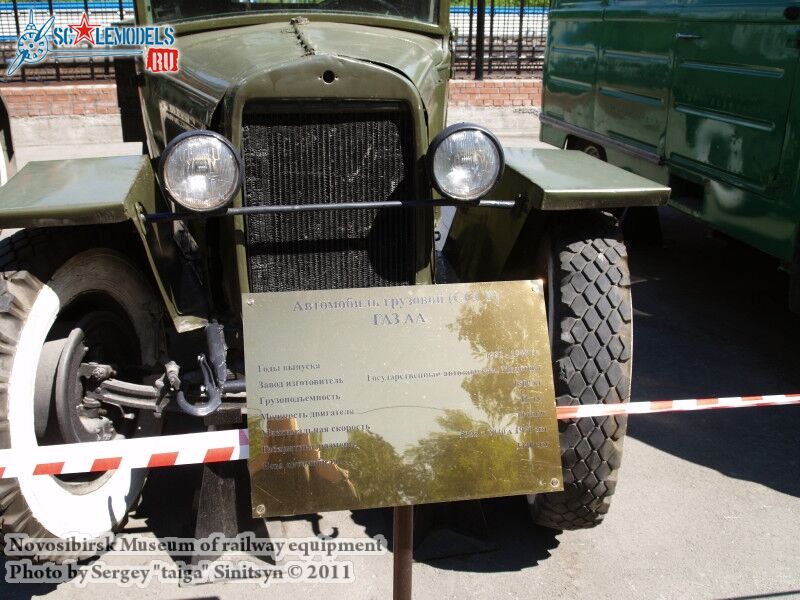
700,95
298,147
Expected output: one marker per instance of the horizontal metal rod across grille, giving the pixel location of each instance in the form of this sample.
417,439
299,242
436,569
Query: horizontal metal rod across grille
294,208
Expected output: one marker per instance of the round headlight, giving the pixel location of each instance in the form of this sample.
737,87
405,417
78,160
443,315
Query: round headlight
201,170
465,161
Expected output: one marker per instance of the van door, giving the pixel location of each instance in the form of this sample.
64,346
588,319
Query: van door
735,70
635,72
571,67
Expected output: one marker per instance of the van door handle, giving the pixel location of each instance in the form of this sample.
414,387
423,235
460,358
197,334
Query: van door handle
688,36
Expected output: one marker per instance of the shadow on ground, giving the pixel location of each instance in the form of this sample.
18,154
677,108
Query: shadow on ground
21,591
493,535
712,320
507,541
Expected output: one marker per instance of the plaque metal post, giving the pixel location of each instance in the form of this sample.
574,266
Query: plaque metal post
403,549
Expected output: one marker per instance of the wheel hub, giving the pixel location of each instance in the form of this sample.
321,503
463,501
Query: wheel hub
69,367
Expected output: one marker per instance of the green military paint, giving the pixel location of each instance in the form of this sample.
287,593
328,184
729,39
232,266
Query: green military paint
697,94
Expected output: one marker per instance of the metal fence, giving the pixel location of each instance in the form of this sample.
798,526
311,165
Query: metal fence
15,15
497,41
504,41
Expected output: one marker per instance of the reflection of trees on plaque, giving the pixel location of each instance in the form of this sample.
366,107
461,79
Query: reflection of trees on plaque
498,334
467,457
288,474
483,455
256,436
498,442
376,470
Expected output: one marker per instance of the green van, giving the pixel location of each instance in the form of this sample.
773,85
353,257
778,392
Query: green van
698,94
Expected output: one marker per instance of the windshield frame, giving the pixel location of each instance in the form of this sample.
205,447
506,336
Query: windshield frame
442,27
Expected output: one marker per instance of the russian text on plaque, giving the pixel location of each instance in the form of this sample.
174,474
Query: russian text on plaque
405,395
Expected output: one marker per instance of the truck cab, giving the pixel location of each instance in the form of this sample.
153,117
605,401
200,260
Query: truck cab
297,147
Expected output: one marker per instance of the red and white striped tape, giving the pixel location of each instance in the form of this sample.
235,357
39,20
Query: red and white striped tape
161,451
662,406
234,444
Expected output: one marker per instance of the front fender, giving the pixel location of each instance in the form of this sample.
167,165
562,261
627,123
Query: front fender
79,191
98,191
480,240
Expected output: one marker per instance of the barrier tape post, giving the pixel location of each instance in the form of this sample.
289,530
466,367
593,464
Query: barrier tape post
234,444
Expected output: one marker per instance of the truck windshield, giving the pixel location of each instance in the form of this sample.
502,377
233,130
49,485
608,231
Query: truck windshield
181,10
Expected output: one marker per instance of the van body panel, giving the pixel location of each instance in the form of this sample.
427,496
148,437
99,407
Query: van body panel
635,72
702,95
732,92
573,55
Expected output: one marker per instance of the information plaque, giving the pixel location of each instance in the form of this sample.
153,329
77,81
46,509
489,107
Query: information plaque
392,396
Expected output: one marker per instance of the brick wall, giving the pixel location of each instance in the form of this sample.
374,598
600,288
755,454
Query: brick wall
496,92
32,100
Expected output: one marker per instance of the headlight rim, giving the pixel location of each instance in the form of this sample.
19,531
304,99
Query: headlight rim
170,147
442,136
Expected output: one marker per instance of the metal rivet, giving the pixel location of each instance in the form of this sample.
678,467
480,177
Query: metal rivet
250,302
554,482
261,509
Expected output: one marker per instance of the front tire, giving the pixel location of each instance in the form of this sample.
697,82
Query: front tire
585,266
47,293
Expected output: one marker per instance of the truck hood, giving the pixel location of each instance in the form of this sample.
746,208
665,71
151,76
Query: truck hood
213,62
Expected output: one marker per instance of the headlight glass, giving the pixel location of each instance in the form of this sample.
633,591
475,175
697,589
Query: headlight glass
466,164
201,171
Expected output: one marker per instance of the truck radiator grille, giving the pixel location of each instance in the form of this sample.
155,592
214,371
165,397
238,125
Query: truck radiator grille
326,157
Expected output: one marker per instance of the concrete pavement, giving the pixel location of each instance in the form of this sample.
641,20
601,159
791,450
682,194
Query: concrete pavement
516,127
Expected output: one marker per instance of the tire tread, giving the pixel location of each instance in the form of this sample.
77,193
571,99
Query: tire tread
592,365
